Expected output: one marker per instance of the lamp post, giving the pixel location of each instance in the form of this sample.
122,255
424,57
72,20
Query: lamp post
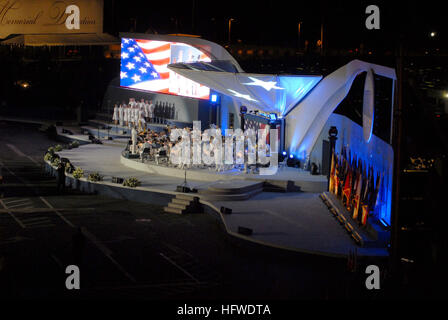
230,26
299,24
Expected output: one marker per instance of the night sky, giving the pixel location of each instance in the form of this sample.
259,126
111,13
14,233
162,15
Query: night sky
275,22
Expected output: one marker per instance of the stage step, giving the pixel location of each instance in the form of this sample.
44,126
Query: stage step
180,201
231,197
231,188
183,203
279,186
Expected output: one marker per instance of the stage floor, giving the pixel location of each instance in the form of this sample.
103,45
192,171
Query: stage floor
297,221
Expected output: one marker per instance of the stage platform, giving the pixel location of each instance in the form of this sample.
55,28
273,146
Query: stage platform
295,221
302,180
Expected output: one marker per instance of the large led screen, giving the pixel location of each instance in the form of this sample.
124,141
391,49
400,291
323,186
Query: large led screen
144,67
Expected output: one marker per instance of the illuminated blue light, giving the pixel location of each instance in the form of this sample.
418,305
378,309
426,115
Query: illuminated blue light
291,156
295,89
214,97
284,153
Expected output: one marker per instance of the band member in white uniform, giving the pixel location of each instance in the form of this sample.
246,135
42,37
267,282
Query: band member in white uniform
141,120
146,110
135,112
128,112
120,114
134,140
125,115
115,115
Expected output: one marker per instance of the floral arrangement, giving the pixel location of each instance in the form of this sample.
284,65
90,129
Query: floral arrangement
131,182
58,148
78,173
75,144
48,157
95,176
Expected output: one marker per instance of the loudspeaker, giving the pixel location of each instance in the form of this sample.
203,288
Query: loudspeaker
225,210
117,180
182,189
245,231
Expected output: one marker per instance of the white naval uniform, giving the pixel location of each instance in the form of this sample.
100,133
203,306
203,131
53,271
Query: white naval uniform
134,140
115,115
125,114
146,110
120,114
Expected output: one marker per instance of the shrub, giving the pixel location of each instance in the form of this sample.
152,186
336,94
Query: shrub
95,176
75,144
48,157
131,182
78,173
58,148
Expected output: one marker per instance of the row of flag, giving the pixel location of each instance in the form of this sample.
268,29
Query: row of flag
356,184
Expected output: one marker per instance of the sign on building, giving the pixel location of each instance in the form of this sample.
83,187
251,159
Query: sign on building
50,16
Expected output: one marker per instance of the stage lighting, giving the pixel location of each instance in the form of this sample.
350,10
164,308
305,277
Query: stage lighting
291,156
214,98
272,117
284,153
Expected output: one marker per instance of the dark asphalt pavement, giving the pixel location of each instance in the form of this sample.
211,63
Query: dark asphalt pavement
133,250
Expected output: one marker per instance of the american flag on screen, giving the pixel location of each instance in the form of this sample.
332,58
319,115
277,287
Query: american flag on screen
135,66
158,54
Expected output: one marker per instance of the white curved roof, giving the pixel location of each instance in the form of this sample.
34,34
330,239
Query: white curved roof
213,50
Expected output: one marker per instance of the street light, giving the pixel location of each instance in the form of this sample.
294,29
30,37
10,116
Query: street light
299,33
432,34
230,26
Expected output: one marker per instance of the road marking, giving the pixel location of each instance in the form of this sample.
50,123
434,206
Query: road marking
57,212
20,153
107,253
94,240
17,200
20,205
12,216
179,267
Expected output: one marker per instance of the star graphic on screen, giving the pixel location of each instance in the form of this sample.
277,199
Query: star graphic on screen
137,59
240,95
268,85
125,55
143,70
130,66
131,49
154,74
136,78
123,75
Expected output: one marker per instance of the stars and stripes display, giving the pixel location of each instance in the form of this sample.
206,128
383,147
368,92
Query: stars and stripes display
135,67
144,66
360,189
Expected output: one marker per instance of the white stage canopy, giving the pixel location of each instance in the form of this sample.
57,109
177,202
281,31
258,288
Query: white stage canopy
270,93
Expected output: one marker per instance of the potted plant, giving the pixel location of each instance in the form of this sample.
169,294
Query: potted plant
132,182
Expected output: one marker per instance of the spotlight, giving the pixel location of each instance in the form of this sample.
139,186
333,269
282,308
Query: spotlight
284,153
291,156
